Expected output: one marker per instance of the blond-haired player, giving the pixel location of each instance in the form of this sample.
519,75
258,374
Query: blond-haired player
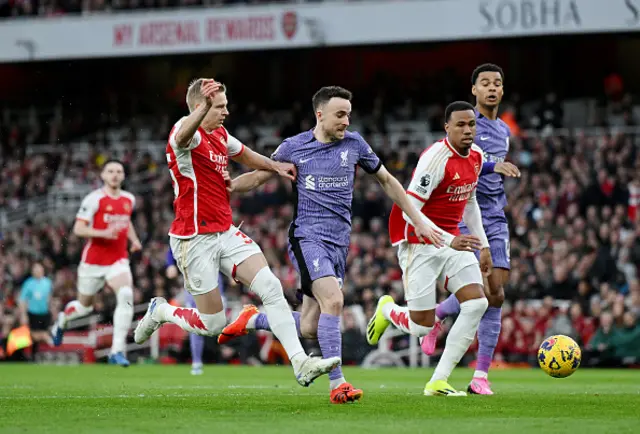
204,240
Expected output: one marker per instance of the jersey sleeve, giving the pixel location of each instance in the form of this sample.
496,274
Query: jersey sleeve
472,217
132,199
88,208
234,146
283,152
367,159
428,174
25,291
417,203
195,140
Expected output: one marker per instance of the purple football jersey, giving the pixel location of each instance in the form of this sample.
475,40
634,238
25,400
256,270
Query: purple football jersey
493,138
324,186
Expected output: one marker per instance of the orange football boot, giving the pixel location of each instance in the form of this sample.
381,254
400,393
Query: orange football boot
345,393
239,326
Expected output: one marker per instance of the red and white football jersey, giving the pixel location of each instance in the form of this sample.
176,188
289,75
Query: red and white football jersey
201,203
103,211
443,180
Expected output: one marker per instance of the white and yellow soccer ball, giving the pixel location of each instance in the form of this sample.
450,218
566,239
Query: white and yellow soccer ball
559,356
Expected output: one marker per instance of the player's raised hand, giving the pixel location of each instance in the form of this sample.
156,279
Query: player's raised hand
466,243
209,89
136,246
227,180
424,232
507,169
486,262
286,170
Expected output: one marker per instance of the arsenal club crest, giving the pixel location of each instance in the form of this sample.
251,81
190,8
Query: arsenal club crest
289,24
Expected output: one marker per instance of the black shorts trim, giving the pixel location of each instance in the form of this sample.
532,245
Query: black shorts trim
305,277
39,322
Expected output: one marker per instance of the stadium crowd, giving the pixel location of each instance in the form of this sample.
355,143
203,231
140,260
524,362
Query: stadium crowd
575,231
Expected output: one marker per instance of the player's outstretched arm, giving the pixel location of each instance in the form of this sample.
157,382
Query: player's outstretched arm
136,245
256,161
394,190
505,168
190,124
472,217
82,229
251,180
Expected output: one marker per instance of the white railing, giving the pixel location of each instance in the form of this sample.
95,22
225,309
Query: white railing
82,150
58,204
384,356
412,135
61,204
10,217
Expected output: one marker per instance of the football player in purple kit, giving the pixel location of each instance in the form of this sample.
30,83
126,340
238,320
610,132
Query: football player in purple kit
492,135
326,159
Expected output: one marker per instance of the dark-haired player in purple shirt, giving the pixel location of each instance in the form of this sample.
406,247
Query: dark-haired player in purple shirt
326,159
492,135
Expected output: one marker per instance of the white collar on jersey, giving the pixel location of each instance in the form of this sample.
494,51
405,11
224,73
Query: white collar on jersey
106,192
446,142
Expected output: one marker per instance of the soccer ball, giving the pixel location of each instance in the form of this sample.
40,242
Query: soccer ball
559,356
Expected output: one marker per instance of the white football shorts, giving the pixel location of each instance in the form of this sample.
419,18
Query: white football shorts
200,259
92,278
423,265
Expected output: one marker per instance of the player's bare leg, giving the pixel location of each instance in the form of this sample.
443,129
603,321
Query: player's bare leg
78,308
122,317
309,317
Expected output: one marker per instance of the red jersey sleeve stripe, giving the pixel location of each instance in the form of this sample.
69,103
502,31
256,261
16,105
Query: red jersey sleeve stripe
421,199
239,153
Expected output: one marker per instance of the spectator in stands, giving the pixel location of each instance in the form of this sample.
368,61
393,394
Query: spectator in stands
626,345
601,349
576,229
561,324
549,114
354,344
34,305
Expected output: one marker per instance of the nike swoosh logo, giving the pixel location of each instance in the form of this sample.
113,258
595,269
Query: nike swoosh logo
304,160
484,138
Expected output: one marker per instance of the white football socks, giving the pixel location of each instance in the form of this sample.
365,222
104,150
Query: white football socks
460,336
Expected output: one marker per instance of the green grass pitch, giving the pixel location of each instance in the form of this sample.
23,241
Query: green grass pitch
235,399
